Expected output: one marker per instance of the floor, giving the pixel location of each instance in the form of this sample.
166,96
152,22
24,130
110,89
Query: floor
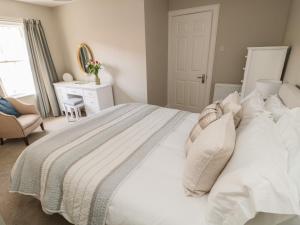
17,209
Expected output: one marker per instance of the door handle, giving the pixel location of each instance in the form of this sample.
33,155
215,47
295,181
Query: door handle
202,77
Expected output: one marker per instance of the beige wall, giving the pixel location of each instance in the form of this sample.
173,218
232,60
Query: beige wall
242,23
156,24
115,30
9,8
292,38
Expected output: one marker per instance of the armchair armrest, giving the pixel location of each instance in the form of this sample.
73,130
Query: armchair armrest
10,127
22,107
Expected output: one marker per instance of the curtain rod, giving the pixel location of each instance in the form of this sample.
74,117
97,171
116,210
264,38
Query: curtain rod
12,19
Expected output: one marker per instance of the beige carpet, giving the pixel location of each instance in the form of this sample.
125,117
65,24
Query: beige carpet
17,209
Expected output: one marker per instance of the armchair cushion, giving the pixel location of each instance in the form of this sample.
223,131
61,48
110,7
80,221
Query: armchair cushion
7,108
28,120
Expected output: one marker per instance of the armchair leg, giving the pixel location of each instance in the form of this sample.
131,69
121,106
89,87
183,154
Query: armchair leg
42,126
26,140
2,141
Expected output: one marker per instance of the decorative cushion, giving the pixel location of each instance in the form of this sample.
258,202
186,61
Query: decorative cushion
232,103
210,114
208,156
7,108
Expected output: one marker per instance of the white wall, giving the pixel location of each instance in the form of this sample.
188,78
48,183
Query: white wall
115,30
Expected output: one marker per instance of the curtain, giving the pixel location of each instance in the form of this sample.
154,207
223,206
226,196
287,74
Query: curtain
43,69
1,221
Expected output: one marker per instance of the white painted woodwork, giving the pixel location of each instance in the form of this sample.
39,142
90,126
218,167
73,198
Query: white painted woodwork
95,97
192,34
222,90
263,63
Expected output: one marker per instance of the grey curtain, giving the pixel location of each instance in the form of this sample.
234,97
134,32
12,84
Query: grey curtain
1,221
43,69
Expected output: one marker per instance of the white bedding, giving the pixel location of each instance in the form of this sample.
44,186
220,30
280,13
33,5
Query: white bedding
153,194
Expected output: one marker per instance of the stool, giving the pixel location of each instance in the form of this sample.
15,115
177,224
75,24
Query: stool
73,105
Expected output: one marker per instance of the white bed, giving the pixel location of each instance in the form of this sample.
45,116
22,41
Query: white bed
151,193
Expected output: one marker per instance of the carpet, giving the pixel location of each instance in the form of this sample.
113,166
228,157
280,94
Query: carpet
17,209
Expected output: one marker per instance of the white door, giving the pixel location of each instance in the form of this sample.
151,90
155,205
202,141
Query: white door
191,51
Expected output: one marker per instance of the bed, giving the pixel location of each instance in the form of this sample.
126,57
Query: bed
120,167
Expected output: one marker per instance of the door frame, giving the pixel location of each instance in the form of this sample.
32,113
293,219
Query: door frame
215,9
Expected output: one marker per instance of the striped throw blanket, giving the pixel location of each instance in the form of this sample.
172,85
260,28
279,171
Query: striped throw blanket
75,171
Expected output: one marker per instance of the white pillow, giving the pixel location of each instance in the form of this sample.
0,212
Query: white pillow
289,128
274,105
252,106
232,104
255,179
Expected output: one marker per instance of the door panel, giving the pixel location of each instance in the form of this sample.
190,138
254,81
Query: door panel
180,92
190,37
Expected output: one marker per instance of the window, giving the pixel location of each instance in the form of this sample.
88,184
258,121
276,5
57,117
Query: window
15,71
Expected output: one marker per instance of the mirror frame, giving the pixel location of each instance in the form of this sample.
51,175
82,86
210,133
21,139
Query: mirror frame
84,45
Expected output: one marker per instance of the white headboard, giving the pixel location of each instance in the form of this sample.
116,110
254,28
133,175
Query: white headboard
290,95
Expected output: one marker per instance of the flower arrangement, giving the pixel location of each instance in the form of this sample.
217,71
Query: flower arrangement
93,67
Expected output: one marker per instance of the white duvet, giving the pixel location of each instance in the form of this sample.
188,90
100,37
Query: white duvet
153,194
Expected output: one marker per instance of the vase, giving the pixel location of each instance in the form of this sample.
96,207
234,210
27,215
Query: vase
98,82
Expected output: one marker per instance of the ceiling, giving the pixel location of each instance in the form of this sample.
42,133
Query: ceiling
49,3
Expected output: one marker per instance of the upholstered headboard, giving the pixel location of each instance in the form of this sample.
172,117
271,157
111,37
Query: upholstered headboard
290,95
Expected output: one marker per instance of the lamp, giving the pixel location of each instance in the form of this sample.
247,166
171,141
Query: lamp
268,87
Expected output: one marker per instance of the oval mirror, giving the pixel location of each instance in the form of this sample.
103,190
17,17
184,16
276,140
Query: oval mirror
84,55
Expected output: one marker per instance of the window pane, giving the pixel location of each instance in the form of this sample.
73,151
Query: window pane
15,70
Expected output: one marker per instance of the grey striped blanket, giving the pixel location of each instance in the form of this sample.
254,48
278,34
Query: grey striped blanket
75,171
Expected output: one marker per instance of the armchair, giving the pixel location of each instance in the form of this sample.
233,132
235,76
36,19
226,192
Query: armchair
21,127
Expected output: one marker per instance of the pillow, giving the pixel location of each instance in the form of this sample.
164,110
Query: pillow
232,103
255,179
210,114
289,129
253,105
275,106
7,108
208,156
290,95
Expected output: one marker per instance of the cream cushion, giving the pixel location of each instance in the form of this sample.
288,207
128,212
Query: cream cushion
210,114
208,156
232,103
28,120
